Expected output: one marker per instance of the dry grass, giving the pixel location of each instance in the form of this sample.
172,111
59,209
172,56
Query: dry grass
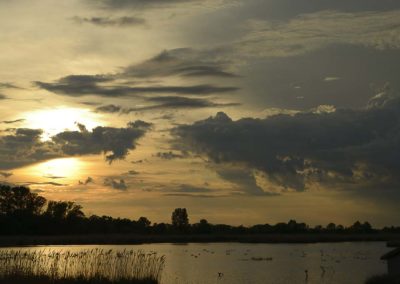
88,266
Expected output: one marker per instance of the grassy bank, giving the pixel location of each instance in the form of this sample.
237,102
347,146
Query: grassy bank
88,266
124,239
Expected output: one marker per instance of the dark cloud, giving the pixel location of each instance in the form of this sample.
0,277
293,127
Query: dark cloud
44,183
12,121
346,147
171,155
115,143
185,62
6,174
174,102
192,195
3,97
182,62
4,85
120,185
184,188
138,4
23,146
91,103
138,162
111,22
54,177
109,109
87,181
88,85
244,181
165,102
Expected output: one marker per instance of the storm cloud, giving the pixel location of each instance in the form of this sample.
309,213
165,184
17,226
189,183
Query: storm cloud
295,151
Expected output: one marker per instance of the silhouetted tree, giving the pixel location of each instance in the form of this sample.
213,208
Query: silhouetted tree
202,227
22,212
64,210
20,201
180,219
331,227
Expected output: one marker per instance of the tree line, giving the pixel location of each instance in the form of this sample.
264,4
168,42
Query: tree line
25,212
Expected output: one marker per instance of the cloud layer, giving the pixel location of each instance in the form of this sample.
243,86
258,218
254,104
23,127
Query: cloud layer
296,151
309,32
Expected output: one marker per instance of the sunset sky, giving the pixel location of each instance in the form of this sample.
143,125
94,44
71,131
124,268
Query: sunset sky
242,111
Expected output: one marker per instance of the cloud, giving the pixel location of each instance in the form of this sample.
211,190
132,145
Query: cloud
308,32
186,62
154,4
137,4
3,97
4,85
54,177
44,183
184,188
111,22
165,102
281,10
171,155
22,146
244,181
120,185
12,121
115,143
88,85
175,102
135,80
109,109
87,181
345,148
6,174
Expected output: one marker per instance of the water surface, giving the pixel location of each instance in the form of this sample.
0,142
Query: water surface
234,263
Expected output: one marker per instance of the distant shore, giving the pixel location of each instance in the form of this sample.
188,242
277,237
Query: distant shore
132,239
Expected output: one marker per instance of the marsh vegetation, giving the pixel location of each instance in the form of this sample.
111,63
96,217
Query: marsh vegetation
85,266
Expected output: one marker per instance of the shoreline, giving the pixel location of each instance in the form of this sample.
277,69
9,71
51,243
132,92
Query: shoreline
132,239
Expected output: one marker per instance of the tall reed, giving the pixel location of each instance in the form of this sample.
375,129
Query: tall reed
87,266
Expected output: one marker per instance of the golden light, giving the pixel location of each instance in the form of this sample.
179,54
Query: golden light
58,168
57,120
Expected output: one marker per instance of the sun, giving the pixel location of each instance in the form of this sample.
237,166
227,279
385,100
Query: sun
56,120
58,168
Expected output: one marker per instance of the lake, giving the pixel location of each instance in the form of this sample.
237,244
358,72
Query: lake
236,263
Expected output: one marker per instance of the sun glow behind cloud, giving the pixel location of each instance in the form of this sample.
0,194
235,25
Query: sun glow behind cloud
58,168
54,121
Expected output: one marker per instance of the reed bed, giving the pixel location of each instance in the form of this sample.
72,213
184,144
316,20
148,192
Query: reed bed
86,266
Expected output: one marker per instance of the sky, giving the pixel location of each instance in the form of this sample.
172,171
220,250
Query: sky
242,111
